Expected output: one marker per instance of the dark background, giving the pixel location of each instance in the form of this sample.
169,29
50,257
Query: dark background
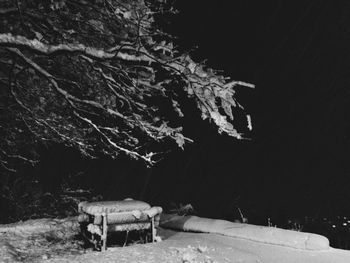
296,162
297,54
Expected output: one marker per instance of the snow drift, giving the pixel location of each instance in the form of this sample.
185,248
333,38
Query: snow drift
268,235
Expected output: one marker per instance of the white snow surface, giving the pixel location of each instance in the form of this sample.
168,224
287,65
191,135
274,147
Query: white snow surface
52,240
269,235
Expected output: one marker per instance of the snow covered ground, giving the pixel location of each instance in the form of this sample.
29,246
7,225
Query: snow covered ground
48,240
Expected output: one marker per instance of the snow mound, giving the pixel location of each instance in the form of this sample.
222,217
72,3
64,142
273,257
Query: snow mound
268,235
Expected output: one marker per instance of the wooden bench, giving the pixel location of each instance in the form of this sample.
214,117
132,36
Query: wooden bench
99,218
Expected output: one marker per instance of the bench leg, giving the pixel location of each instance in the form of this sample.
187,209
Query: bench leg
104,232
126,238
153,230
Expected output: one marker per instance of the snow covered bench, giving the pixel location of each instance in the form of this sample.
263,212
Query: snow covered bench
99,218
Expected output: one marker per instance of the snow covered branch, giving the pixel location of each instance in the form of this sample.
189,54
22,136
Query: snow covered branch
96,76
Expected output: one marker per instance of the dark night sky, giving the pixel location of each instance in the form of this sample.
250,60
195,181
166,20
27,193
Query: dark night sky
297,54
